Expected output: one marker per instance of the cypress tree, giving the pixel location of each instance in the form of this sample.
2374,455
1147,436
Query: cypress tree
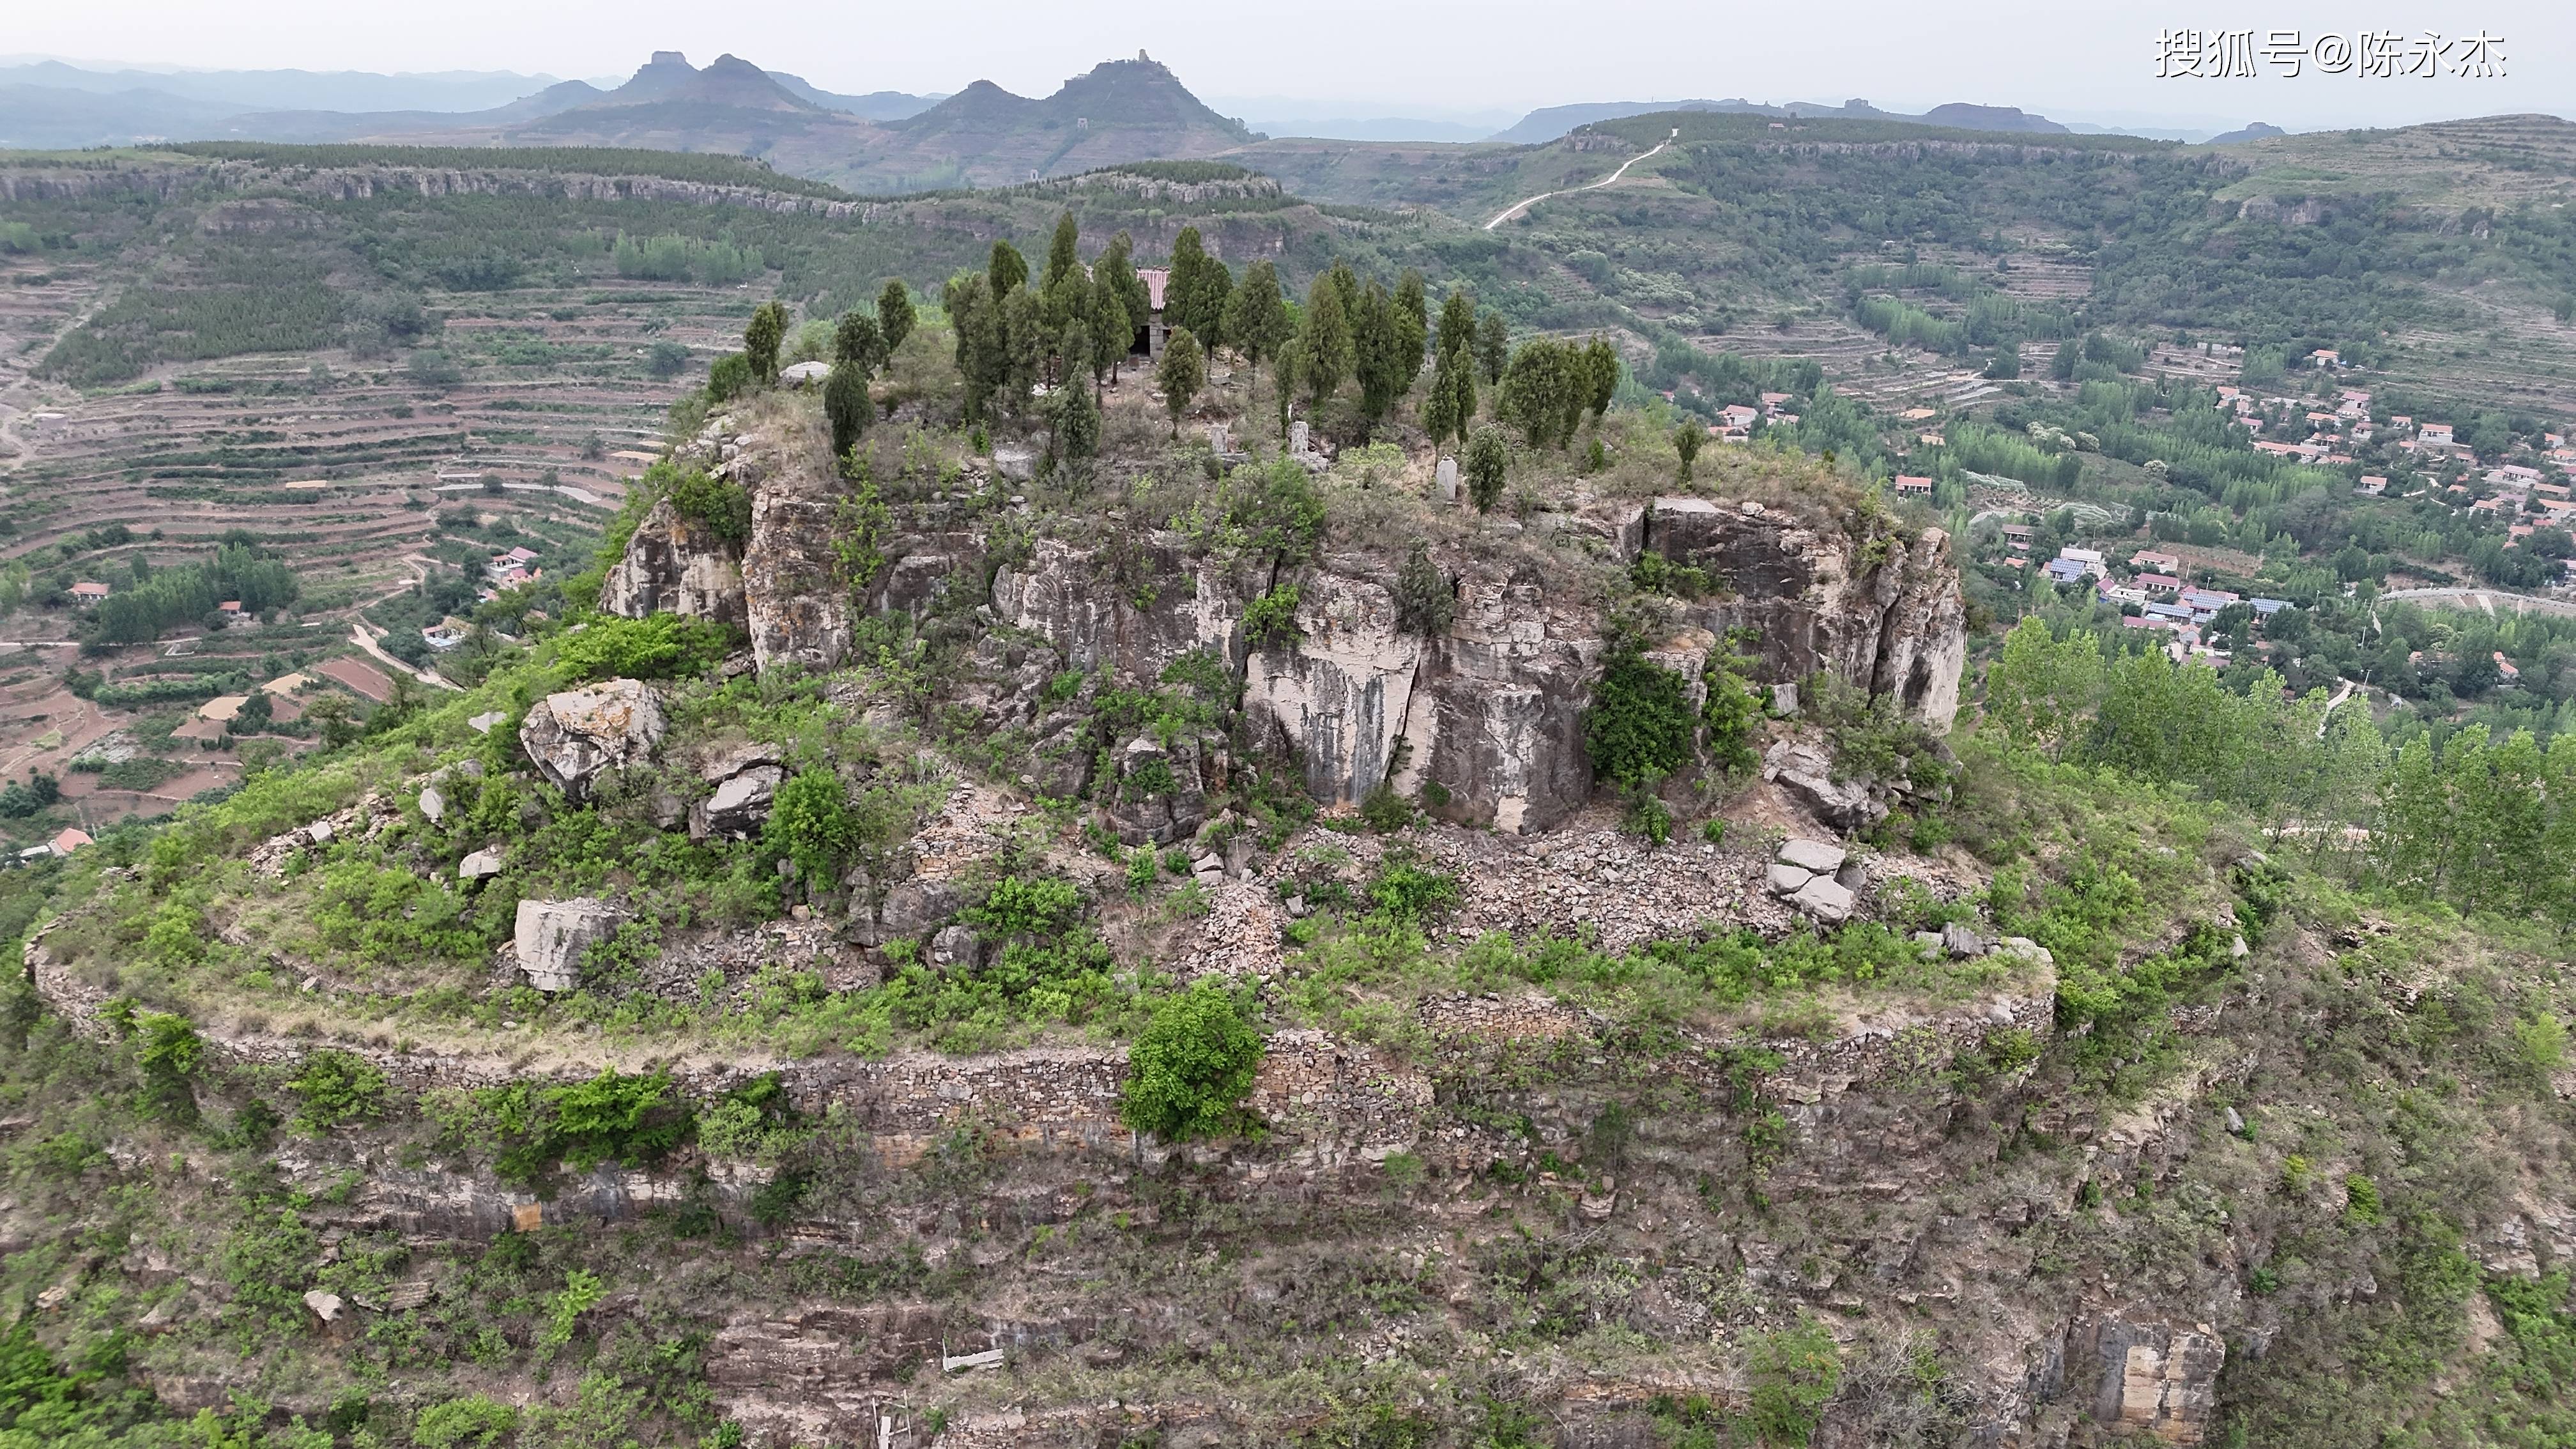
1686,441
760,340
1377,345
979,341
1451,408
1256,317
1196,294
1601,369
1024,348
894,313
1534,390
1117,268
1062,262
1181,374
1113,275
1325,342
1346,284
1008,269
847,406
1489,459
1493,347
1073,416
856,342
1457,322
1412,305
1111,328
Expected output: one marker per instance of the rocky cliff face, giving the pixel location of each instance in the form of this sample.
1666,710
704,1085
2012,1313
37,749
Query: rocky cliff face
1893,623
1489,710
676,565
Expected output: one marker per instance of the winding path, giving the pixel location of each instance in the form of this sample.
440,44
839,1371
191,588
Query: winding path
1525,203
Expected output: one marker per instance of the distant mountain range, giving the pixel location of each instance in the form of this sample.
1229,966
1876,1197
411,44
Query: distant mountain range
48,104
1120,111
1550,122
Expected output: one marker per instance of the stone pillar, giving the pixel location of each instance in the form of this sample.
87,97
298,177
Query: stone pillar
1297,436
1216,437
1446,476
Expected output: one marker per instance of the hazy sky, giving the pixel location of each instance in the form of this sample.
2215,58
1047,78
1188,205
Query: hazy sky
1392,57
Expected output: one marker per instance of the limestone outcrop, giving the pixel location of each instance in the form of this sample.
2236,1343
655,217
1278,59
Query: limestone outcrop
578,735
795,604
1887,615
676,565
552,937
1489,709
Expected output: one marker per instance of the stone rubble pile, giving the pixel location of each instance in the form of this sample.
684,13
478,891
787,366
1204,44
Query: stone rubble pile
1818,878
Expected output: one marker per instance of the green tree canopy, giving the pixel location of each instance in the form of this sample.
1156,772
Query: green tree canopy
1181,374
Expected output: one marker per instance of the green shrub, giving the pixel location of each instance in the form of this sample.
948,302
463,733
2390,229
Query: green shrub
168,1056
1025,907
657,646
1407,889
1270,621
1792,1374
336,1088
1385,811
728,377
723,506
610,1118
1191,1066
474,1422
1639,725
1424,602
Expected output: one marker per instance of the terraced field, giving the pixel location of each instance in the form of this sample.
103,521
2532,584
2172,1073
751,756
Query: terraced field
365,473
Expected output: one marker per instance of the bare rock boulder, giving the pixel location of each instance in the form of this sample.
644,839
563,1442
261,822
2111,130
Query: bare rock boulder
1807,777
552,938
746,779
581,734
1825,899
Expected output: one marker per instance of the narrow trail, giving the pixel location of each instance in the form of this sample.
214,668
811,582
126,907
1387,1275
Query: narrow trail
1517,207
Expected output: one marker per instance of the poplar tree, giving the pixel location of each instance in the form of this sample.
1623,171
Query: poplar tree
894,314
1325,341
1181,374
1256,316
760,340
